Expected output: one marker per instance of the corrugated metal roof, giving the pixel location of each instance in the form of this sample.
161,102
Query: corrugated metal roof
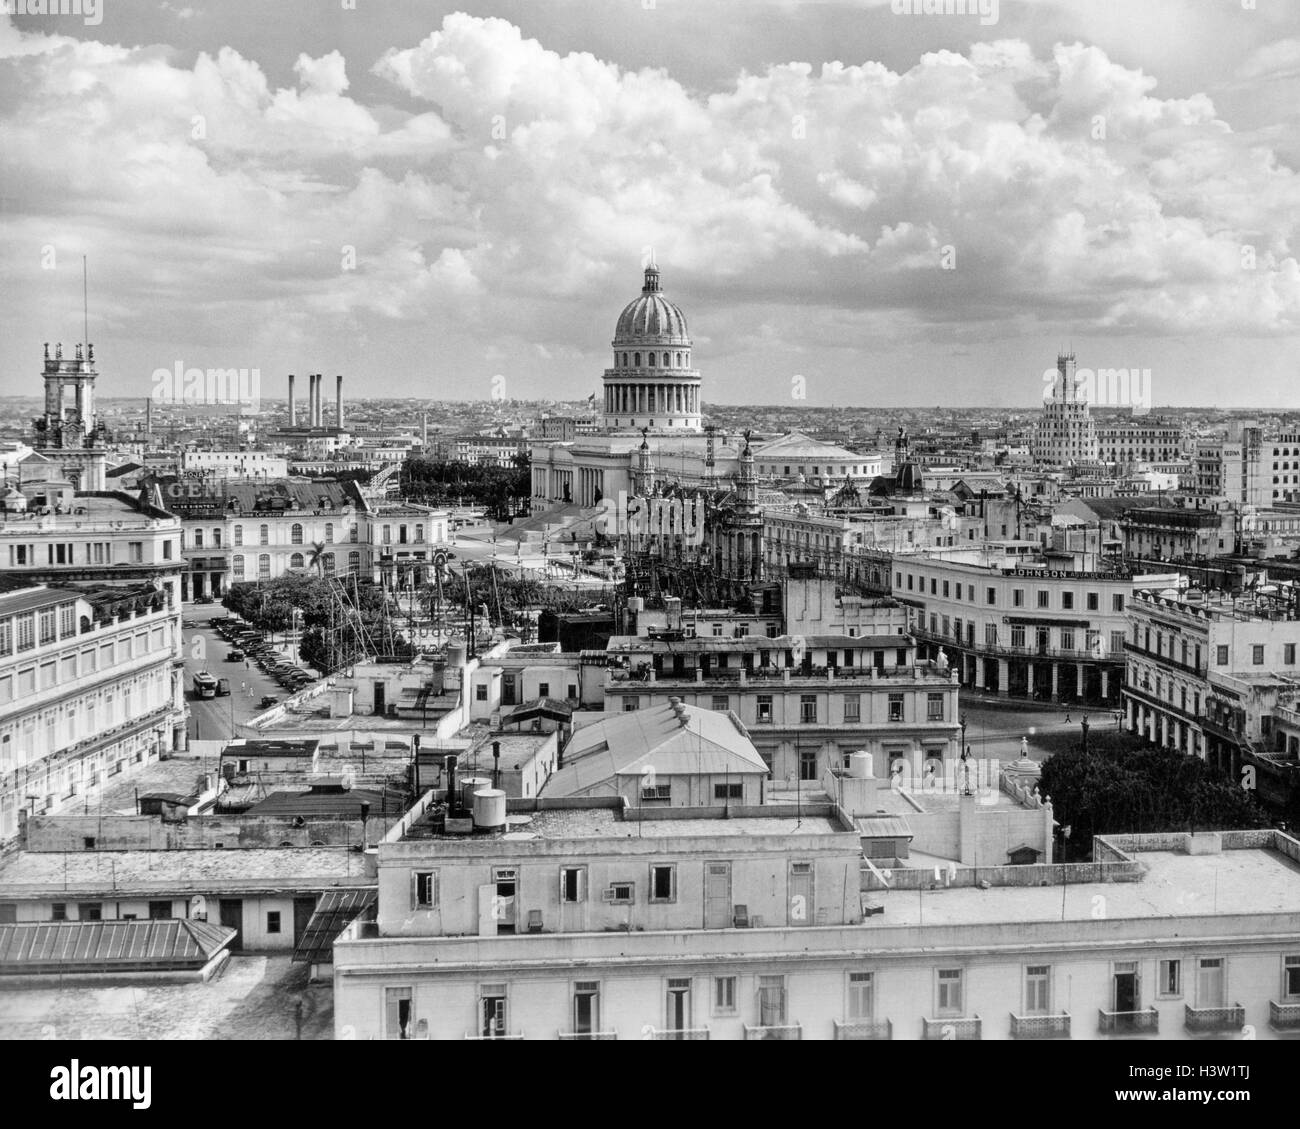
884,827
103,946
335,911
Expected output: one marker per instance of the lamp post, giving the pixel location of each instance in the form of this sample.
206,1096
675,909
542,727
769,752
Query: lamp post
1083,724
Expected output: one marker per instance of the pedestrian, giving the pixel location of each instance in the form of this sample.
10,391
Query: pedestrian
1067,717
248,665
243,686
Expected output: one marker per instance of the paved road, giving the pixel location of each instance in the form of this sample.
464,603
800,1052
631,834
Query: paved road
214,718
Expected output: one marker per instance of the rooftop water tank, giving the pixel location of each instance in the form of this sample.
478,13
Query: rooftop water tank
861,766
489,809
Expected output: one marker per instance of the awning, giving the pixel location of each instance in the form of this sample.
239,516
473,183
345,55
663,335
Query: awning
335,911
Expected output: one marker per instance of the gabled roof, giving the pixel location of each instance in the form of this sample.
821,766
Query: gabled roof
672,739
556,709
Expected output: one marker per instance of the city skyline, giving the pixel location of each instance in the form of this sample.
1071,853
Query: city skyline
852,206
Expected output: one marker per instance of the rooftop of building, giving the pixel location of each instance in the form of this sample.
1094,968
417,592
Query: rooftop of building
1249,880
563,819
86,508
49,874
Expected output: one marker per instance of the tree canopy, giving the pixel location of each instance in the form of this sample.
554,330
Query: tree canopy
1118,790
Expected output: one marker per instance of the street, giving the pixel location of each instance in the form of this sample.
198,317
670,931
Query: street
994,730
216,718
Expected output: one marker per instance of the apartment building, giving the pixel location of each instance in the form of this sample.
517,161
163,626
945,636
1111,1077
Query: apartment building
593,923
1018,625
807,702
1170,533
51,534
1178,640
238,463
1145,441
90,685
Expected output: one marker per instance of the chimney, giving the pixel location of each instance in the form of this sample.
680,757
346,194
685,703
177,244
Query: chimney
338,397
449,765
315,399
293,414
496,764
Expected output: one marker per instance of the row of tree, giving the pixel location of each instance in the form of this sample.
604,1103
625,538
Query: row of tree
339,625
437,482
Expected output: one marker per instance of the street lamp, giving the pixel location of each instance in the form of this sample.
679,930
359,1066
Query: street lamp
1083,722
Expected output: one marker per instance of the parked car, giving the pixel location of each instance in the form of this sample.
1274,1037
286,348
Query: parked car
234,656
268,700
223,687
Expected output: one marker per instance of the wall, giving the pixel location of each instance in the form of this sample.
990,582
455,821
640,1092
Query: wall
143,832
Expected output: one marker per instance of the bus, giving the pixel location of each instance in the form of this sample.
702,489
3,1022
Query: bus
205,686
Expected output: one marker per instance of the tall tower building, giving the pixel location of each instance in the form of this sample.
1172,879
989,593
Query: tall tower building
1066,434
652,384
68,433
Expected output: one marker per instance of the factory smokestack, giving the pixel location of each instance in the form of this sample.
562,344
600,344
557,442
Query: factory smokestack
315,399
293,408
338,405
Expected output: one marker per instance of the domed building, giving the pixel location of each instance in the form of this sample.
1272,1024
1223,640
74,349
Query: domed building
652,384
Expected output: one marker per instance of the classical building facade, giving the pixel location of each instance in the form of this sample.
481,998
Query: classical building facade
90,685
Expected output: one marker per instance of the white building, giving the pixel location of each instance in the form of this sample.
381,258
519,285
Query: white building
89,686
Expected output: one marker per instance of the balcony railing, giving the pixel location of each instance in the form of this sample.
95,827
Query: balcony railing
679,1033
945,1029
864,1029
493,1038
1144,1022
1040,1026
1215,1018
589,1035
1283,1017
774,1031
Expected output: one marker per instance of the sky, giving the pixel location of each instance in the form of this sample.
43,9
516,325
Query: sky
853,203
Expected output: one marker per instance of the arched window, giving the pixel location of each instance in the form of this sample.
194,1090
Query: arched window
216,538
263,534
237,566
636,359
264,566
679,360
295,534
354,561
352,534
652,360
419,534
329,533
327,564
239,535
296,561
198,539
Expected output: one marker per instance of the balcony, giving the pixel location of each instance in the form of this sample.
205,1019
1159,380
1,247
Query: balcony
679,1033
1206,1020
948,1029
1040,1026
608,1036
1144,1022
864,1029
774,1031
1283,1017
475,1037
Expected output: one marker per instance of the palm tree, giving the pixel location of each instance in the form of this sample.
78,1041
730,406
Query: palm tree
317,560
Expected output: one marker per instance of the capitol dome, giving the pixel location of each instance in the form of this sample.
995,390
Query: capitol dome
651,319
652,384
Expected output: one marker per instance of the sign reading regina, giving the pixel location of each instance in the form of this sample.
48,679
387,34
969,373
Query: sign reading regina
651,517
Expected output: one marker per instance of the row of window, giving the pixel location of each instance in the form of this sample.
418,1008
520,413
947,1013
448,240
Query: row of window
808,707
861,988
97,553
682,359
1042,596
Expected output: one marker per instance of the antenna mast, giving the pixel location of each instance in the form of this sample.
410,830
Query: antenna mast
85,301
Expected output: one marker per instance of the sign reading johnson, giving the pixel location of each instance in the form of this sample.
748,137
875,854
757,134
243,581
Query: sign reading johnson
651,517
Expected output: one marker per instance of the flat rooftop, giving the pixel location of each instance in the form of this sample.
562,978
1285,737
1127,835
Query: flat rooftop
604,823
42,874
1248,881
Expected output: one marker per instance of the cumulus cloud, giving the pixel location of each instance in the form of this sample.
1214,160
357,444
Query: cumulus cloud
510,190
